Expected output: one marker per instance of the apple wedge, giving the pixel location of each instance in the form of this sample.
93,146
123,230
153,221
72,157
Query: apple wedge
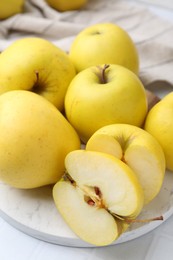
138,149
97,196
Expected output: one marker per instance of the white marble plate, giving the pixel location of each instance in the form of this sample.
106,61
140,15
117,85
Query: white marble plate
33,212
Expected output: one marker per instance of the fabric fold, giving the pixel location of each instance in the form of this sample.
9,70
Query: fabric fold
152,35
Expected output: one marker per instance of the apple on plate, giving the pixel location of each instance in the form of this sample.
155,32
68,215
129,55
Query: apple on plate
66,5
98,196
37,65
35,138
10,7
159,123
104,43
138,149
103,95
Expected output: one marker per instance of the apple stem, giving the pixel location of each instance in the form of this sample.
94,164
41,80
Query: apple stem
102,75
143,220
130,221
37,76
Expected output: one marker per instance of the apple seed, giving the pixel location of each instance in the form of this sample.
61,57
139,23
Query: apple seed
88,200
92,195
97,191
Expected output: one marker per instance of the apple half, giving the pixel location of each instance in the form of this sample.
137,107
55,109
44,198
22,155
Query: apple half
138,149
98,196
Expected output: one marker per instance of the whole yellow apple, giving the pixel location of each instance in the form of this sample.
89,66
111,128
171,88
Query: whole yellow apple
35,138
10,7
103,95
66,5
159,123
104,43
138,149
37,65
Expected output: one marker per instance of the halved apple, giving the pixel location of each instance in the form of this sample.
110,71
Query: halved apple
98,196
138,149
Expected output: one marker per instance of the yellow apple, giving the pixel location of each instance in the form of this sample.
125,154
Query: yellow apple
104,43
138,149
37,65
10,7
98,196
103,95
35,138
159,123
66,5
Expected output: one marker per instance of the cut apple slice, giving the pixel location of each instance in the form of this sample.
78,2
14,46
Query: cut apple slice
97,195
138,149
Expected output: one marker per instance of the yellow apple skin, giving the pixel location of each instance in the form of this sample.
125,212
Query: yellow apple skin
138,149
35,138
91,104
159,123
37,65
10,7
104,43
66,5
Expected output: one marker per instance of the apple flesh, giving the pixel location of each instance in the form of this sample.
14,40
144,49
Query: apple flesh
35,138
138,149
97,196
37,65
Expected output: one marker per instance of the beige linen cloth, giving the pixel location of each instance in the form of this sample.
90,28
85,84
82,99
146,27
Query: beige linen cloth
152,35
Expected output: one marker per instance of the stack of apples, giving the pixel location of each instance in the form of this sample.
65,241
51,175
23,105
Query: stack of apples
80,122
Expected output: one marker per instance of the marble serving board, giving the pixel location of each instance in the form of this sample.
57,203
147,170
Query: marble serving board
34,213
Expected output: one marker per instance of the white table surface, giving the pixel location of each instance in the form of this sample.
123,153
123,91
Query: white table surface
156,245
